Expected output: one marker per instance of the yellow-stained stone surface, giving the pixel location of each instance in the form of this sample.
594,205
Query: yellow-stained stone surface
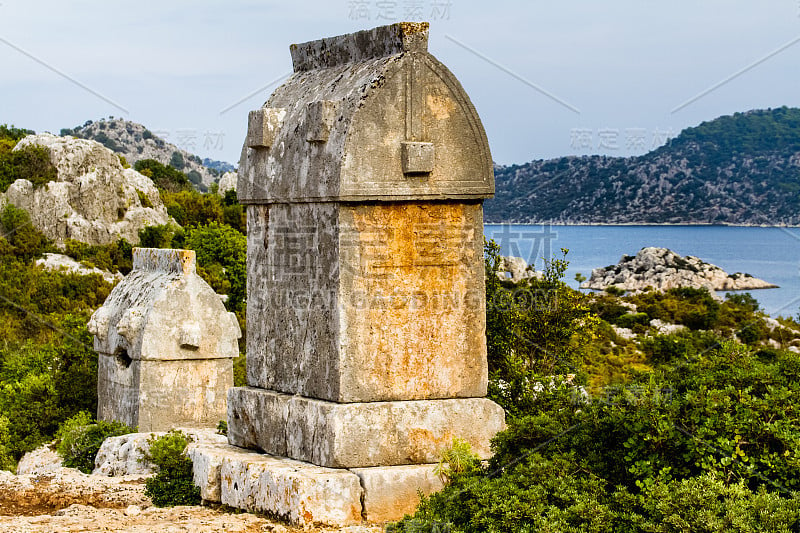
375,302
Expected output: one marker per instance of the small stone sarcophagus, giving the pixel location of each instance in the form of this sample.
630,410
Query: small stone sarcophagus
166,346
364,176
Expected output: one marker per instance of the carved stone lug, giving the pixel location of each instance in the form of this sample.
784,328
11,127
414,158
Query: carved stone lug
418,158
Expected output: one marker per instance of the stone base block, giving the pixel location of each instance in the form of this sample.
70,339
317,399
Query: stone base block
391,492
355,435
305,494
297,492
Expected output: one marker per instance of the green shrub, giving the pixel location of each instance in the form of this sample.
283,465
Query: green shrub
679,346
629,320
191,208
114,257
173,484
143,199
161,236
457,460
222,256
26,241
12,133
7,461
165,177
41,385
177,161
538,327
79,438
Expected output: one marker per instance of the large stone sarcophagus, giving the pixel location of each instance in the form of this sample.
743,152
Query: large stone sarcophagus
364,176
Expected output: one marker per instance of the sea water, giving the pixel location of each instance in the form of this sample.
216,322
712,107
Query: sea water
771,254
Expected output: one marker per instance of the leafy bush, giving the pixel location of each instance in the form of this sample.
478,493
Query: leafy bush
693,308
31,163
534,328
176,161
190,208
222,254
707,442
41,385
79,438
629,320
114,257
173,484
25,241
165,177
680,346
457,460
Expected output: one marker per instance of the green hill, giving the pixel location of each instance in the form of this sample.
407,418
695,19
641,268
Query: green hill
739,169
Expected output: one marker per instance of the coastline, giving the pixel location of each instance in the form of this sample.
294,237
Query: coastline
642,224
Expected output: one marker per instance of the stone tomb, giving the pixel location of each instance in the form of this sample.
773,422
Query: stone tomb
364,176
166,346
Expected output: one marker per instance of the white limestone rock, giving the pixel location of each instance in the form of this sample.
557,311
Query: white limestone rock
59,262
665,328
125,455
227,183
663,269
93,200
516,269
624,333
44,460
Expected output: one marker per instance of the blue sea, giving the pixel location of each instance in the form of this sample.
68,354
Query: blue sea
772,254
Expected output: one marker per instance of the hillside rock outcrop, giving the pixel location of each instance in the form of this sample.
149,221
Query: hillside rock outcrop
64,263
135,142
515,269
662,269
93,200
227,183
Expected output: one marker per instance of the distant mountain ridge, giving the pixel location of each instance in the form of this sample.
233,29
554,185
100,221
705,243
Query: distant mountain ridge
135,142
742,169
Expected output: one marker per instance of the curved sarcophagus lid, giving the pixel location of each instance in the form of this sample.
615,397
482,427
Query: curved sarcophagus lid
366,116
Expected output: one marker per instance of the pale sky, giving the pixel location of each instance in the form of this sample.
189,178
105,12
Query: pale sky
547,78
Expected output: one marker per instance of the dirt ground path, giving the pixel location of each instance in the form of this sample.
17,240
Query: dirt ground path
69,501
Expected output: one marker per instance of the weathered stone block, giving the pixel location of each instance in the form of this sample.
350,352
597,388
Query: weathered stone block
297,492
375,302
257,419
304,493
262,126
390,492
319,120
359,434
160,395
